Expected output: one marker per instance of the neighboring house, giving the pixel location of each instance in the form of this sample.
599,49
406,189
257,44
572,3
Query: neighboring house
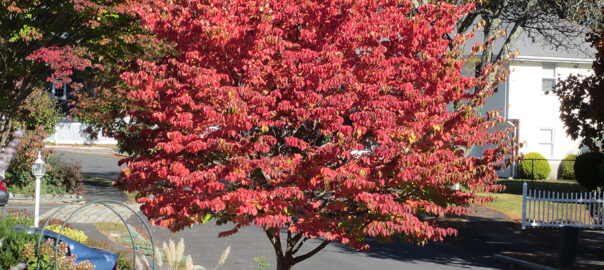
523,100
69,131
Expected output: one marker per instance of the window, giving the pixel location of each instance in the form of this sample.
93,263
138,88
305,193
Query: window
548,78
546,141
59,93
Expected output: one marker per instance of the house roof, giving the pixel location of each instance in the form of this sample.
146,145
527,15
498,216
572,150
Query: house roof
576,48
535,46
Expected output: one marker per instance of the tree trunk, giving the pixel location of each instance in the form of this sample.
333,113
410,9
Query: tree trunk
5,131
283,263
285,258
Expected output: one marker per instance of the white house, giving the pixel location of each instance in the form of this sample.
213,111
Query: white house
527,106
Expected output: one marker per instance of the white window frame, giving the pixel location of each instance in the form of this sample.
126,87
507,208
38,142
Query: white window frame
552,141
53,91
544,66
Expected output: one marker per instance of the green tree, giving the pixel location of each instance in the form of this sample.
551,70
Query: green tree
39,110
56,41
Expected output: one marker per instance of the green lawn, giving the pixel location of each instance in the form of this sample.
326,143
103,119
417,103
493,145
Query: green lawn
509,201
509,204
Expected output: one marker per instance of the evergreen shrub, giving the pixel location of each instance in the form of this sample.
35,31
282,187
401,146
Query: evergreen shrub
534,166
587,170
567,167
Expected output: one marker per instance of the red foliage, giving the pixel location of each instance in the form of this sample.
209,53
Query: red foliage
62,61
333,119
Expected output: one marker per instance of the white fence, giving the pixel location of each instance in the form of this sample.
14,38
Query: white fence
71,132
562,209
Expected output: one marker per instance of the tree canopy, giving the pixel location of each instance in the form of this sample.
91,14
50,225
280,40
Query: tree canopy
582,101
329,119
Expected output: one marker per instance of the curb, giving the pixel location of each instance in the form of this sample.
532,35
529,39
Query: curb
106,150
80,147
22,198
523,263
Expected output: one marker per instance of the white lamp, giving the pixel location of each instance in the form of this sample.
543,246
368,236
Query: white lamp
38,170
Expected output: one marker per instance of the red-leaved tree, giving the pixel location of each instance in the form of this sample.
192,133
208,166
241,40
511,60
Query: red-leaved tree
333,119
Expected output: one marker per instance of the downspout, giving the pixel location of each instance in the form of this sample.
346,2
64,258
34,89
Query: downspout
513,169
508,121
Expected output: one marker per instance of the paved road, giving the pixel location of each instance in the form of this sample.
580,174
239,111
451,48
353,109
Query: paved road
96,163
202,243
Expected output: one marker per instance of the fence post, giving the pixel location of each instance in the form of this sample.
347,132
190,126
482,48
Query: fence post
524,193
532,169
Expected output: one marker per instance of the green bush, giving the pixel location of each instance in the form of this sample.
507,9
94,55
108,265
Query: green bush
566,170
18,173
124,260
65,175
49,258
13,242
39,110
534,166
61,177
17,181
586,170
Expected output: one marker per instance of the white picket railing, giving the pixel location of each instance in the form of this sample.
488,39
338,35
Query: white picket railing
562,209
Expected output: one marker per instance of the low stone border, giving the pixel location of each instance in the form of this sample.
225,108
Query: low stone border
44,198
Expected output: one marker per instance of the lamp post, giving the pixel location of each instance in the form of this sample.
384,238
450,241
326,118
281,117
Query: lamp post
38,170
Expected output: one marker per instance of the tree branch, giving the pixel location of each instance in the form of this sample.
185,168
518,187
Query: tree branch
312,252
299,245
291,243
511,38
275,240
